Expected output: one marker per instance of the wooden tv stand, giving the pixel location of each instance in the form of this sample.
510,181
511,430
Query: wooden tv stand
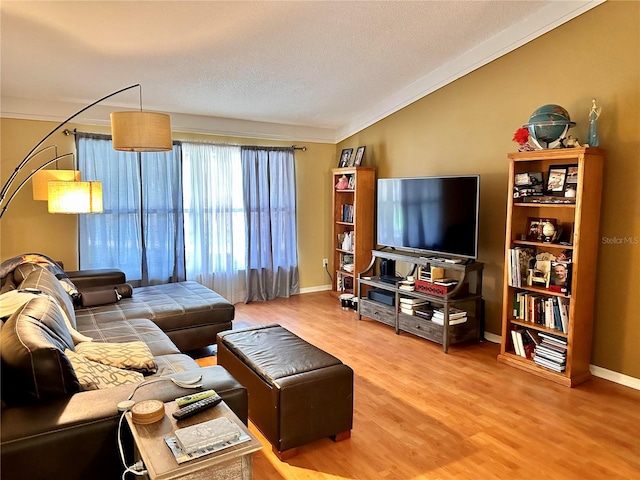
468,275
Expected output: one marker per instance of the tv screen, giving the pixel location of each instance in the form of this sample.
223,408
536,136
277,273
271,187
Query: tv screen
431,214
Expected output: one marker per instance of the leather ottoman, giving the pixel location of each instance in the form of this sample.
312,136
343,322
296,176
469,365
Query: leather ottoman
298,393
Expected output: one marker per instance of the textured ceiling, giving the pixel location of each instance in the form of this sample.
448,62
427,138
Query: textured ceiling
329,65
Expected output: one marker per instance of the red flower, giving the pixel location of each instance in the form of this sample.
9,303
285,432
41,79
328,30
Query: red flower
521,136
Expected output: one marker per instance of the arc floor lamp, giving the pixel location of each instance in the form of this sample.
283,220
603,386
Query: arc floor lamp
131,131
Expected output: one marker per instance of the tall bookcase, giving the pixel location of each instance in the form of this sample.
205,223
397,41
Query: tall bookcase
353,213
578,214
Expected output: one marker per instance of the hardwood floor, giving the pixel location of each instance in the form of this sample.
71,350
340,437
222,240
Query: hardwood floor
423,414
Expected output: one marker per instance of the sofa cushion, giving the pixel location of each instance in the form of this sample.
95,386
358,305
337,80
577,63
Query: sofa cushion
128,355
128,330
95,375
10,301
38,278
34,366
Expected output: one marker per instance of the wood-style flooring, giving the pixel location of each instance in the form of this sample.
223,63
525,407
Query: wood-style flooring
423,414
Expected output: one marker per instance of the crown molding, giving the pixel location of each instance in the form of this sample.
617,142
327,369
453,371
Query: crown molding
56,111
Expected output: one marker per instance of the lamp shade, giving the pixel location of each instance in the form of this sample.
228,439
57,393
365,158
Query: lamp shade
75,197
40,181
138,131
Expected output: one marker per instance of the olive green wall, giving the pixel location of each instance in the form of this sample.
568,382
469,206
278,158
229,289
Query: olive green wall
467,127
27,227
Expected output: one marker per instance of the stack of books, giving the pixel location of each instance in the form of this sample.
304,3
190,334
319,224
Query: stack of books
551,352
408,285
456,316
410,306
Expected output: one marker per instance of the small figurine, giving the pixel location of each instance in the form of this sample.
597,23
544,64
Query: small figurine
343,183
594,113
571,142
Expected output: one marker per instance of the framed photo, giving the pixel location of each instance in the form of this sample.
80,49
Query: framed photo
359,154
572,174
528,184
560,276
556,180
345,157
541,229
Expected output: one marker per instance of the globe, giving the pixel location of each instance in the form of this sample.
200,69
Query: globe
549,124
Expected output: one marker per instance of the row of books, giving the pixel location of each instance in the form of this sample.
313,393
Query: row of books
347,213
545,349
520,259
552,312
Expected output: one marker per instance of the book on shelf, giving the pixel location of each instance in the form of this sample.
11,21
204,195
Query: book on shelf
556,367
551,352
413,301
424,311
347,213
454,321
523,343
520,259
454,313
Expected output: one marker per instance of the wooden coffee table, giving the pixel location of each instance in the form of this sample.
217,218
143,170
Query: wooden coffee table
160,463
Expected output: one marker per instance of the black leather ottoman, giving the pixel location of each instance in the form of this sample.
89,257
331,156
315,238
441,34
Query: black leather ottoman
297,392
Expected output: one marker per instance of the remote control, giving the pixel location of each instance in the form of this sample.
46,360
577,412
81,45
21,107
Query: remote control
197,407
194,397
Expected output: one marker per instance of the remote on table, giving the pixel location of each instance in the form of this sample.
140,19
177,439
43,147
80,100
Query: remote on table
197,407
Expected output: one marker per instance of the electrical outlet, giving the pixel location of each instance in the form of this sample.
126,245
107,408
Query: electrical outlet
325,262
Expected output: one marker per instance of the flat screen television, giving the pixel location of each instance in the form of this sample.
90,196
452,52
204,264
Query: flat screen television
435,215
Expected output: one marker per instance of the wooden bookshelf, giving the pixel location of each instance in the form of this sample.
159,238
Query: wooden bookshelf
360,198
583,220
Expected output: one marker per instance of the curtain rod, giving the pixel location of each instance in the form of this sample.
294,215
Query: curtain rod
293,147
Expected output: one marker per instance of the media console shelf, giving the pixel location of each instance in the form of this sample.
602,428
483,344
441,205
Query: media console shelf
468,275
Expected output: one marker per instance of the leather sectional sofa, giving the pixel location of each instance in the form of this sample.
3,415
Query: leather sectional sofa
51,427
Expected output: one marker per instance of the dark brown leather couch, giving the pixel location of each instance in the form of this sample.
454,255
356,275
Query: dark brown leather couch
50,429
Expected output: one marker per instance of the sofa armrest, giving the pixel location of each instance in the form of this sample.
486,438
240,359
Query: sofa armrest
83,279
76,437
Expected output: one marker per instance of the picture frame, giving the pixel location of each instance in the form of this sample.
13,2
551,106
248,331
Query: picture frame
528,184
556,180
345,157
560,279
572,174
536,231
358,158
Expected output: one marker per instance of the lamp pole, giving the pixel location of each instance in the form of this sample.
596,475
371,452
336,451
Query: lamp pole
34,151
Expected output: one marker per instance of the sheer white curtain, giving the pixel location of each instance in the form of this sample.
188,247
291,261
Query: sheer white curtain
140,231
214,219
270,207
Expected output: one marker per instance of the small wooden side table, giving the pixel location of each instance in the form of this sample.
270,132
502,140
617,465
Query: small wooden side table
230,463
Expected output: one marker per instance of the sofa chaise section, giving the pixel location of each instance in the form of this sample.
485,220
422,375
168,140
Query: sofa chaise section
189,313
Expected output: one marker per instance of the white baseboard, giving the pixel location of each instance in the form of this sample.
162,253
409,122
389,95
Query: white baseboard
615,377
596,371
319,288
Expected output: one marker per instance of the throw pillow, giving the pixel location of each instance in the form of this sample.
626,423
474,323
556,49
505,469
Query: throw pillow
95,376
129,355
